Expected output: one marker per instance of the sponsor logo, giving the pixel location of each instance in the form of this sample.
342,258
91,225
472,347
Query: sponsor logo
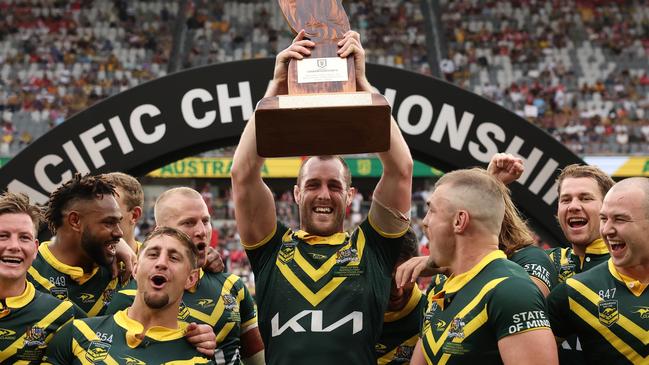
97,351
59,293
6,334
456,328
86,297
347,255
35,336
643,312
380,348
440,325
318,257
608,312
316,325
205,303
130,360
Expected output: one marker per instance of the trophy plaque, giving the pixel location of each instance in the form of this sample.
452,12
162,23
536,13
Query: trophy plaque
322,114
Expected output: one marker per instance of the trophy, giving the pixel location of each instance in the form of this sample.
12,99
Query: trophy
322,114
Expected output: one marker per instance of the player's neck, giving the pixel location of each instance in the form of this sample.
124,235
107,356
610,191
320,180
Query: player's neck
470,252
12,287
579,250
149,317
638,272
70,254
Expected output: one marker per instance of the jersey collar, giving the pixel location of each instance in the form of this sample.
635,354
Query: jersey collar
635,286
597,247
74,272
334,239
415,296
21,300
157,333
456,282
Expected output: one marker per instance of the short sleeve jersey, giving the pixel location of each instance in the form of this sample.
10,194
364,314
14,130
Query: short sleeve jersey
401,331
537,264
567,263
469,313
220,300
115,340
321,300
608,311
27,324
91,292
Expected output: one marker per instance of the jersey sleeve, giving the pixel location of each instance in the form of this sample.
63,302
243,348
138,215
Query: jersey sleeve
385,245
59,350
261,253
538,265
559,311
247,307
516,306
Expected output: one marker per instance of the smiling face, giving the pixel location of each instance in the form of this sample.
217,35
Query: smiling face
578,210
18,245
322,196
100,231
624,226
164,271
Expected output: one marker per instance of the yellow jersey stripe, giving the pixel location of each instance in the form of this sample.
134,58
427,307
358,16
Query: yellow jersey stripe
212,318
99,304
615,341
624,322
39,278
194,360
385,359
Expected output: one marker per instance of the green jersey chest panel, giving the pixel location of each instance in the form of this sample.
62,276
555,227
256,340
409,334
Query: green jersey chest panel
401,331
26,330
101,340
220,300
322,299
90,292
611,321
464,326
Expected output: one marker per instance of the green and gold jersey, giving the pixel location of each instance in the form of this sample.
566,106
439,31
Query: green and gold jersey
27,324
537,264
567,263
220,300
91,292
118,340
321,300
401,331
469,313
608,311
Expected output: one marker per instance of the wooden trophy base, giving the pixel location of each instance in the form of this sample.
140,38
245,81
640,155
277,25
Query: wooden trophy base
322,124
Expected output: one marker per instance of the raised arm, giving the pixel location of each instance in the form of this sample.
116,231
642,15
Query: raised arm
394,189
253,201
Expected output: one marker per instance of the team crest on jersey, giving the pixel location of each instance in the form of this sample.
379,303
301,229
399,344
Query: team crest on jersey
643,312
87,298
97,351
456,328
107,296
347,255
183,311
130,360
35,336
287,252
59,293
230,302
6,334
608,312
205,302
403,353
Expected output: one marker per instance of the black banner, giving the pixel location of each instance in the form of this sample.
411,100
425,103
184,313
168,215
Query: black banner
204,108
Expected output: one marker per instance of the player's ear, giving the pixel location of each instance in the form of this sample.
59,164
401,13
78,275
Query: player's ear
296,193
192,279
350,195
